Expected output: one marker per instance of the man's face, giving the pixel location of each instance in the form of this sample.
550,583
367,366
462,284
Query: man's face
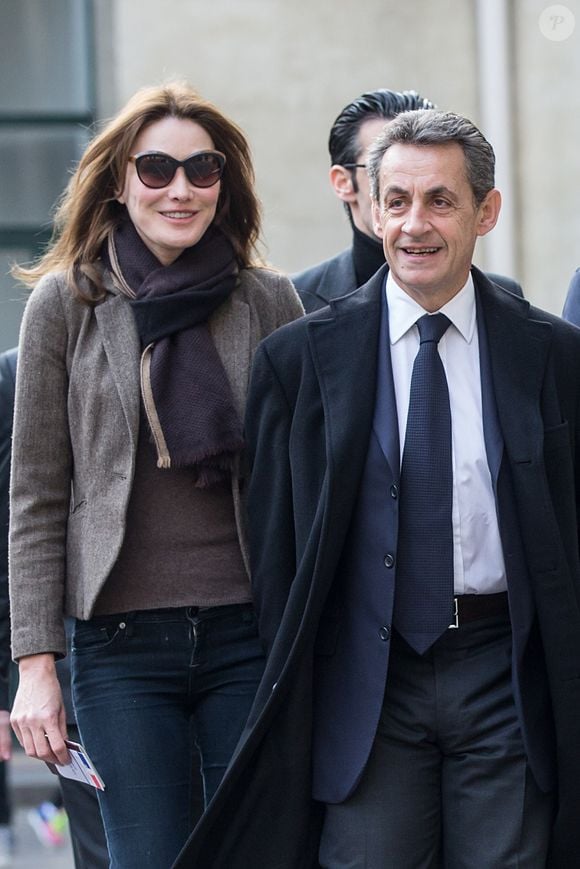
360,207
345,180
428,220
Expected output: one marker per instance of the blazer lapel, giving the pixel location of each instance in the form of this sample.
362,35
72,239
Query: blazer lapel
230,331
121,342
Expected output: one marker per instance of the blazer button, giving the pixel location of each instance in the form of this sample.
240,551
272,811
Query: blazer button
385,633
389,559
394,491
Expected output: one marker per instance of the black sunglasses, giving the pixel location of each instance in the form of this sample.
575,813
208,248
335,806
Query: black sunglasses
156,169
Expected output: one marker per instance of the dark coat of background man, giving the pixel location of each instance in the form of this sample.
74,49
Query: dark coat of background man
351,136
361,751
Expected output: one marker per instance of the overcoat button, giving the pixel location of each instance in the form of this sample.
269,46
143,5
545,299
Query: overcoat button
385,633
389,559
394,491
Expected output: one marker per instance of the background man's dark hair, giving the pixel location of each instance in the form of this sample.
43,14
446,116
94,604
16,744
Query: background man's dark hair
437,128
343,140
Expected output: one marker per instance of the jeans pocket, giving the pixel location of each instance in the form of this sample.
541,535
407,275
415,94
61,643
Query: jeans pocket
98,633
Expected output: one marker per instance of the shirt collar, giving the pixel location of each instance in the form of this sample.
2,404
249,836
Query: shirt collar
405,311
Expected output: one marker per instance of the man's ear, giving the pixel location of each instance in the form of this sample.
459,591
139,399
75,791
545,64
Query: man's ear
342,182
489,212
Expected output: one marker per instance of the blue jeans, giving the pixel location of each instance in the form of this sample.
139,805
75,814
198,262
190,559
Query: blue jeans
148,687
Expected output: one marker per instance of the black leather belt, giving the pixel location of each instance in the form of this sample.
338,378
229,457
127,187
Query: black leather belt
471,607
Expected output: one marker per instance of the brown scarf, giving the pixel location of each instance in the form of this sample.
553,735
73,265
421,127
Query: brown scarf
187,397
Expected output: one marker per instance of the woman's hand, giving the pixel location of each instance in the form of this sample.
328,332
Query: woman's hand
38,716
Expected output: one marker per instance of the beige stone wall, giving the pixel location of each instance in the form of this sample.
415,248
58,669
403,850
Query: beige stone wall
548,163
283,69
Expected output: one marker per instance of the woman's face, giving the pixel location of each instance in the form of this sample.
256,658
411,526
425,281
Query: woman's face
175,217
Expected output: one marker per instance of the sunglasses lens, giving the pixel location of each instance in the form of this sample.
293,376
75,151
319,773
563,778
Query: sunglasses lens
204,170
155,170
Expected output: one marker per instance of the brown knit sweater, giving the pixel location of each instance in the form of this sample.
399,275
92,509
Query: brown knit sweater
180,546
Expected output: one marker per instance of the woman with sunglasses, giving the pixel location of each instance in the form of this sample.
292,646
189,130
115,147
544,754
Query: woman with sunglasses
128,464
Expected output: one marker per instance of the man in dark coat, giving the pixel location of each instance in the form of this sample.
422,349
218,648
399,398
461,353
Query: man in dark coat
351,136
365,748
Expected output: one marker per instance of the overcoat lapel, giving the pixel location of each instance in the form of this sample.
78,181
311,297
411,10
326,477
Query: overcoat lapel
518,352
344,350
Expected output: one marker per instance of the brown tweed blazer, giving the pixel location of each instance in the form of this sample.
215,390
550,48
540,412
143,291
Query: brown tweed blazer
75,437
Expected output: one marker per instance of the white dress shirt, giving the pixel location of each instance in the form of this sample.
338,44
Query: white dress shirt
478,563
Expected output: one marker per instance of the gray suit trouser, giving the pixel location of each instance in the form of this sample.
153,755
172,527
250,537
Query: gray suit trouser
447,783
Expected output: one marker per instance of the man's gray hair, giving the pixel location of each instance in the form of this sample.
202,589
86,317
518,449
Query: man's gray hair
433,127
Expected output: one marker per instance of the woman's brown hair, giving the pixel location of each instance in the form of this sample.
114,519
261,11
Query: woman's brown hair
88,209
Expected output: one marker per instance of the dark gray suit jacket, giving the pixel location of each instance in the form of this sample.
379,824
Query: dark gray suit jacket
335,277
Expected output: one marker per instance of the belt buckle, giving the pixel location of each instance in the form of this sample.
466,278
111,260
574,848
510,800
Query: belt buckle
455,623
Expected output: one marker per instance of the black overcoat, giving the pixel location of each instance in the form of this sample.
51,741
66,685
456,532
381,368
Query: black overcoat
309,416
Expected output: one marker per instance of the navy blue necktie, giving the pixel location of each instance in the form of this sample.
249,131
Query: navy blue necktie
424,585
